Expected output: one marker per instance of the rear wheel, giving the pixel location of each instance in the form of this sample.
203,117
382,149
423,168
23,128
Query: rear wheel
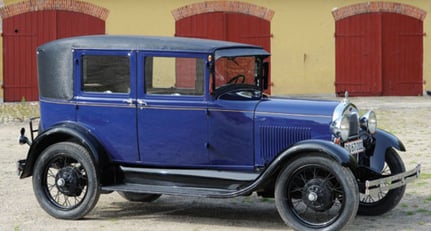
316,193
65,181
139,197
382,202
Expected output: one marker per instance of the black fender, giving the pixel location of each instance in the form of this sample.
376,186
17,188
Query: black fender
322,147
64,132
383,141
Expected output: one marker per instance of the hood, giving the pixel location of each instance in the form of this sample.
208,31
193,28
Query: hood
298,107
282,122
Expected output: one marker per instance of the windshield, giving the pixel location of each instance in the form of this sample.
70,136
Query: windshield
236,70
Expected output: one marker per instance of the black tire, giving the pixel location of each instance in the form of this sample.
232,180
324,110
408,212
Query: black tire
316,193
139,197
65,181
379,203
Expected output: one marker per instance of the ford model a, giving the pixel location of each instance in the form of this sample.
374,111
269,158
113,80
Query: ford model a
147,116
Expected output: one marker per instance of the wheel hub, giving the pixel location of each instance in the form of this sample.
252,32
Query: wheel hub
318,195
69,181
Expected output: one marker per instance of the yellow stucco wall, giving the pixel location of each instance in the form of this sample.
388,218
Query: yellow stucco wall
303,43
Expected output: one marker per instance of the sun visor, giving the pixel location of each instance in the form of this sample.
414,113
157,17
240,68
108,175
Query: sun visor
233,52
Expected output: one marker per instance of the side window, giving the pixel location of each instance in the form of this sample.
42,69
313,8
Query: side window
174,76
106,74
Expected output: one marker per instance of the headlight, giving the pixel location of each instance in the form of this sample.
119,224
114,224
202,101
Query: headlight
369,122
341,127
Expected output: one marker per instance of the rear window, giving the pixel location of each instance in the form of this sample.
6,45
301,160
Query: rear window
106,74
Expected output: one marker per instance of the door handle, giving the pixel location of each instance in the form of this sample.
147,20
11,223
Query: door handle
130,102
141,103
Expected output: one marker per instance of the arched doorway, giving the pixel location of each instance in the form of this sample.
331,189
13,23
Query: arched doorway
225,20
27,25
379,49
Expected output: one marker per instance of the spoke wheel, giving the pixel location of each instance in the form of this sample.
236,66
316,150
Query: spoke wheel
382,202
315,192
65,181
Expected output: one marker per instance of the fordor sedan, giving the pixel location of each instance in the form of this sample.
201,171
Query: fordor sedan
147,116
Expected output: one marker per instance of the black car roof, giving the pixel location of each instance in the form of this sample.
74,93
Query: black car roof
123,42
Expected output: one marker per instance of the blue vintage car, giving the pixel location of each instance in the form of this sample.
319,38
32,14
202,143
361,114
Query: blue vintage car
146,116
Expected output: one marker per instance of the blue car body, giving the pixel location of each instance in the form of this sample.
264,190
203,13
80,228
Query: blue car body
207,129
179,131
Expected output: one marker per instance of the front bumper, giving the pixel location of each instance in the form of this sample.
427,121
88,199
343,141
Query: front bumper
387,183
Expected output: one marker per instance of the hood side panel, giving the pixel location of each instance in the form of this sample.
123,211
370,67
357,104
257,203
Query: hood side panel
275,139
281,123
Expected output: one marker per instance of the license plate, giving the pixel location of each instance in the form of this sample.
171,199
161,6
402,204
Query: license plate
354,147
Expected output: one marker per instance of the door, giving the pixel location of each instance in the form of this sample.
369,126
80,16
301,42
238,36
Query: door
172,111
231,114
105,85
379,54
231,134
21,36
402,51
23,33
359,55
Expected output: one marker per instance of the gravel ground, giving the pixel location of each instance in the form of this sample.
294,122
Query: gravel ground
406,117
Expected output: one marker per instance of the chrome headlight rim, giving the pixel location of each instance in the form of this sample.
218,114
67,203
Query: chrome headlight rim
341,127
368,122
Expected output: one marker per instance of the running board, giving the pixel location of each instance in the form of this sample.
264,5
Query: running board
173,190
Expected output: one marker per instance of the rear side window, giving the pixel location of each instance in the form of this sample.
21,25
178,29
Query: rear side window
174,76
106,74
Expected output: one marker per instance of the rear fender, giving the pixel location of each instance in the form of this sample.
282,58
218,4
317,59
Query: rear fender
384,141
64,132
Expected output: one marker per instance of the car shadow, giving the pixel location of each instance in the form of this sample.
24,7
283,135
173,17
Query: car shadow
246,212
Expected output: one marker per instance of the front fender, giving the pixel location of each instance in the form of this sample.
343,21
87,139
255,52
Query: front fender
384,140
324,147
62,132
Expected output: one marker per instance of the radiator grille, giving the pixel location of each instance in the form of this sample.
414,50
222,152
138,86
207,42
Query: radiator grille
275,139
354,124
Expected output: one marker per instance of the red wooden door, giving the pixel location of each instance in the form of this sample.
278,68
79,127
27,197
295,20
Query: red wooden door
402,52
379,54
227,26
358,55
23,33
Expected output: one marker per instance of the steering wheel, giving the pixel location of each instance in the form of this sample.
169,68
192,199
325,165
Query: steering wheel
236,79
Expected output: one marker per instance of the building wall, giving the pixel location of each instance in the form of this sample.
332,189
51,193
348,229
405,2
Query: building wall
302,43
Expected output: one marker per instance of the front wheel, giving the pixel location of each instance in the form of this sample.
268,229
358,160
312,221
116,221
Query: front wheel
316,193
382,202
65,181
